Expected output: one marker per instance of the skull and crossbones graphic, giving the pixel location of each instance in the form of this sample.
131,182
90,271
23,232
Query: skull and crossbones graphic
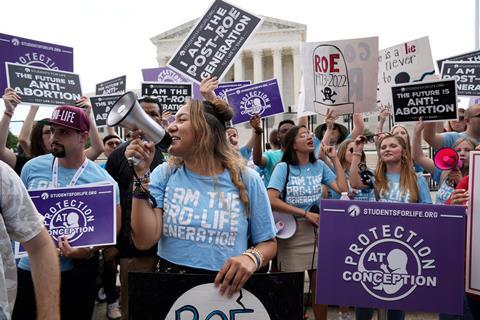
328,94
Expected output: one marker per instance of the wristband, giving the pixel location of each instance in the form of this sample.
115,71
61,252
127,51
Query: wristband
8,113
259,131
304,214
252,257
257,254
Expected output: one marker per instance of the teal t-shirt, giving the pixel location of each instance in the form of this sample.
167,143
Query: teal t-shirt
204,221
37,174
304,187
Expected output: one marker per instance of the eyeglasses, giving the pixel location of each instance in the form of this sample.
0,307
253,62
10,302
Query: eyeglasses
305,135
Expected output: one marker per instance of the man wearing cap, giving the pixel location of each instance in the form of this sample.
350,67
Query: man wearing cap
66,166
131,258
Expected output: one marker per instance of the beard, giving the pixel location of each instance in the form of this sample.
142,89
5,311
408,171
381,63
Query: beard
58,150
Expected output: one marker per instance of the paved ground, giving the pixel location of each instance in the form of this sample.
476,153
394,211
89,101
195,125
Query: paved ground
100,311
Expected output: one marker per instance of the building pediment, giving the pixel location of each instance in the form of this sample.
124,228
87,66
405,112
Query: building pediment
269,25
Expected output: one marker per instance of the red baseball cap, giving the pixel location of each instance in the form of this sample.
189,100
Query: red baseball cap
71,117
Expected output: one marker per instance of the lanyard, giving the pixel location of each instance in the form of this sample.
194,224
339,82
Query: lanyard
75,177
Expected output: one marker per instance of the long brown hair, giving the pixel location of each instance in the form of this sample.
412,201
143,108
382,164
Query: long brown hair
208,126
342,154
408,178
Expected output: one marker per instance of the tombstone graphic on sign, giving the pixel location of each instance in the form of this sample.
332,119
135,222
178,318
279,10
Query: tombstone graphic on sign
205,302
331,81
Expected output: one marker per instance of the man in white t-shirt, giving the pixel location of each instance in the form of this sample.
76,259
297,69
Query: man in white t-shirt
20,221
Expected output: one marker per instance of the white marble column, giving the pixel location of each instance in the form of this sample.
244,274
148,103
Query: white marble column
238,68
296,74
277,67
257,65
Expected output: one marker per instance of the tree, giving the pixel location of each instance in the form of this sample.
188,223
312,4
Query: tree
12,141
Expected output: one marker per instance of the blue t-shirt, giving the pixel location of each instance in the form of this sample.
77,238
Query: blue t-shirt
272,158
444,191
304,187
367,194
37,174
204,221
394,193
449,138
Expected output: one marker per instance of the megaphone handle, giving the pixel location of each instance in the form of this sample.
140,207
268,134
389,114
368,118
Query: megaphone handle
134,161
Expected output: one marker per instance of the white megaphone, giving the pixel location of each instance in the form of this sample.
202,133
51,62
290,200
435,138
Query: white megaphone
127,113
285,223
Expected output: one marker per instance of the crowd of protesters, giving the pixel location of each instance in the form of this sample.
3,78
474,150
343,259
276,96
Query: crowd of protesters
203,158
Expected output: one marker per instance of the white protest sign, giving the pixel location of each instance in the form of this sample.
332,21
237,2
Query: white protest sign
340,75
472,277
407,62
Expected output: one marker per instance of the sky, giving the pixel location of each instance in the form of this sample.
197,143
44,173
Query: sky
112,38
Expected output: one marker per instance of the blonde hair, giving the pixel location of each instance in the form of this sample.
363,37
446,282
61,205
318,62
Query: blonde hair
211,143
408,177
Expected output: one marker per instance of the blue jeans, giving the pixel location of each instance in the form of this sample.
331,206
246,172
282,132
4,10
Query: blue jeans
367,314
467,313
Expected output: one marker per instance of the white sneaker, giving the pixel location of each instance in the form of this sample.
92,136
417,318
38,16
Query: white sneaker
344,316
113,311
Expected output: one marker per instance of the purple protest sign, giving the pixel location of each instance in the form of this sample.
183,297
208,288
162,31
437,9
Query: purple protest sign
391,255
32,53
261,98
165,74
85,215
223,87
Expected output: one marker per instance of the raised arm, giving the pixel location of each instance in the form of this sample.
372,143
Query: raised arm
417,152
96,148
355,179
207,87
358,125
383,116
24,135
146,221
340,184
11,100
255,132
430,135
257,153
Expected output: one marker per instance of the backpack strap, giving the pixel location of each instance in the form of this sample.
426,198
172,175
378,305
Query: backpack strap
284,192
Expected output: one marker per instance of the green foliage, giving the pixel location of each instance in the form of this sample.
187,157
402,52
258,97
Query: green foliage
12,141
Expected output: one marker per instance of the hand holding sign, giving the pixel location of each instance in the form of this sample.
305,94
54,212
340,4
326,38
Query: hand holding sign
207,87
67,251
234,273
11,99
85,104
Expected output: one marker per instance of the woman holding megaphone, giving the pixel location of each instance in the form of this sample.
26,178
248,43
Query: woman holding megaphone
204,205
446,170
